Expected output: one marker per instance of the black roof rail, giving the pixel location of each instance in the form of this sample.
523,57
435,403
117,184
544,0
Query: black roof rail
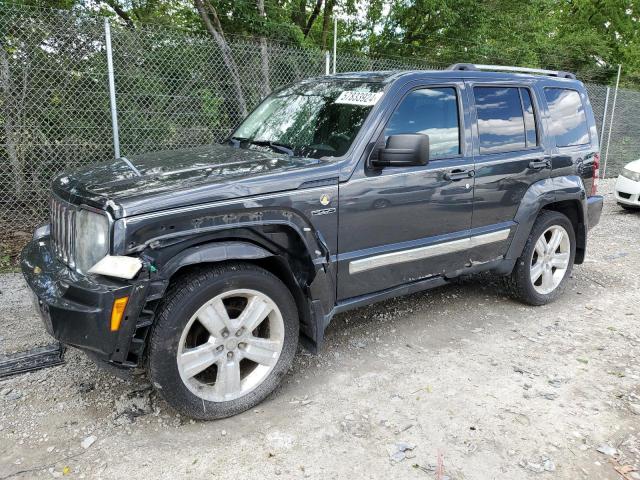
502,68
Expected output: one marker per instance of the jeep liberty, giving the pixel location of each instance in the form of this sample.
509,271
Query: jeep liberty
206,266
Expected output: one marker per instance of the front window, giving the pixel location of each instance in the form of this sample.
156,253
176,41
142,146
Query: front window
433,112
311,120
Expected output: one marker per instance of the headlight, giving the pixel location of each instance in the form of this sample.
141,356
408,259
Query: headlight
92,239
635,176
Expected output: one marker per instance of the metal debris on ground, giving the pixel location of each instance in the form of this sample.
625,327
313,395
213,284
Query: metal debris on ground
400,450
34,359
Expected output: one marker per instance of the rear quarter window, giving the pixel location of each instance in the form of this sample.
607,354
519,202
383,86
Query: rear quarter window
568,121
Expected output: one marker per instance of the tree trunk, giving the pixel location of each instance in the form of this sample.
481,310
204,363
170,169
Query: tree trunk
264,53
9,132
227,55
312,18
326,22
298,15
115,6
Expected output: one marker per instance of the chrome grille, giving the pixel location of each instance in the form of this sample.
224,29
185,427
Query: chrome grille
63,227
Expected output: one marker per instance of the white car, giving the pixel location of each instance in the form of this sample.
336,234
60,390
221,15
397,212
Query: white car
628,186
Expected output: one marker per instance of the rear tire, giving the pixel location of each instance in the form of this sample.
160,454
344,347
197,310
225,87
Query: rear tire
540,274
223,340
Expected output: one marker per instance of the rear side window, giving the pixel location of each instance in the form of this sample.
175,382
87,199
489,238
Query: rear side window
506,119
434,112
568,119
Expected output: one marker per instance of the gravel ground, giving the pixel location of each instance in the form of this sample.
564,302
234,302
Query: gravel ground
460,375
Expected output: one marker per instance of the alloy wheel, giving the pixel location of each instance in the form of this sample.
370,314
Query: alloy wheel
230,345
550,259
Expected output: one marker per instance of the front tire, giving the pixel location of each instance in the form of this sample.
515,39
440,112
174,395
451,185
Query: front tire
540,274
223,340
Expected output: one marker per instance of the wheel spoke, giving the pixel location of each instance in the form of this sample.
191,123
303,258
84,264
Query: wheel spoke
560,260
262,350
254,313
541,246
536,271
194,360
556,238
228,378
214,318
547,280
223,330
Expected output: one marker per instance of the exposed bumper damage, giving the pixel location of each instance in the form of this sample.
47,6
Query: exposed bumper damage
76,309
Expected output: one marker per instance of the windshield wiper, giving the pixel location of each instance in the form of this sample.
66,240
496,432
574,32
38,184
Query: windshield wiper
281,147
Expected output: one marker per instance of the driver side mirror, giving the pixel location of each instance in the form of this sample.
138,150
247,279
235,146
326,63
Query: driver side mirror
404,150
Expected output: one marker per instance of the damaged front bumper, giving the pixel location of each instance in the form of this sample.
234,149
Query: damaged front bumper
76,309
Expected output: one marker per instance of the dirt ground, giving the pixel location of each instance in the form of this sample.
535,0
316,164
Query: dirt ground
461,375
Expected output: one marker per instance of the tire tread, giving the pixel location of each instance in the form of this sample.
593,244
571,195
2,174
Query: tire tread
517,284
181,289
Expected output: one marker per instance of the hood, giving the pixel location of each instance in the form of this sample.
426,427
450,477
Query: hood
633,166
174,178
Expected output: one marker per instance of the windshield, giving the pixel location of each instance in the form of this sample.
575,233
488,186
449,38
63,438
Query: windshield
311,120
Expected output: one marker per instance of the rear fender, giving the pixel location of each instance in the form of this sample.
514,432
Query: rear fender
549,193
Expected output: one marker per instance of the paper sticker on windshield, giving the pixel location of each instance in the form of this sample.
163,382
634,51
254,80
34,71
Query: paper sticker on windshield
359,98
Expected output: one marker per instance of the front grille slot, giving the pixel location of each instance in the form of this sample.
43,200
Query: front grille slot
625,195
63,227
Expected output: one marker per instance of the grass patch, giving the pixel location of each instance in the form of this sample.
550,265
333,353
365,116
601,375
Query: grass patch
10,247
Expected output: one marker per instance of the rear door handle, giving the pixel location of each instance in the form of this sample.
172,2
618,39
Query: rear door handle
459,174
539,164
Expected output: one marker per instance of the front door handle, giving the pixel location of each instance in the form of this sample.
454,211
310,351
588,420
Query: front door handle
540,164
459,174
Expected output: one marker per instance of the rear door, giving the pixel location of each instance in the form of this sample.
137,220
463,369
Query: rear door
510,154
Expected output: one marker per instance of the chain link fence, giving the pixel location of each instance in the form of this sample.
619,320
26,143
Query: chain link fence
174,89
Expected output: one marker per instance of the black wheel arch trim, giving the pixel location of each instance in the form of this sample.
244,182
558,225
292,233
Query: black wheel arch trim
213,252
551,193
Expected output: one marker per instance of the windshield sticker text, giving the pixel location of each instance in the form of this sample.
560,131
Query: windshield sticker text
358,98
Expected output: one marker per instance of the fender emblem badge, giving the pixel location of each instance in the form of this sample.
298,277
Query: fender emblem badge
325,200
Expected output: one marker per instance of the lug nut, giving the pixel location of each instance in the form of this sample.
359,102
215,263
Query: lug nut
242,345
225,333
240,331
220,348
229,354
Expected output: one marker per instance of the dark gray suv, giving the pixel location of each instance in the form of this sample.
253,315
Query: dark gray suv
206,266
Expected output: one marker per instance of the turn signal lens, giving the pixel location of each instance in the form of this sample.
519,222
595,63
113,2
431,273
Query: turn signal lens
117,312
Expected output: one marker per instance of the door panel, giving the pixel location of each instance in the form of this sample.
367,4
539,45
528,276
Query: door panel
508,118
398,211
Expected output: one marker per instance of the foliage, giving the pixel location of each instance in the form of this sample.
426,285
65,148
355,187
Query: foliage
590,37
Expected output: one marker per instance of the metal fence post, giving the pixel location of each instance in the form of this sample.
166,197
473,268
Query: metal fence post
112,90
335,42
604,116
327,63
613,111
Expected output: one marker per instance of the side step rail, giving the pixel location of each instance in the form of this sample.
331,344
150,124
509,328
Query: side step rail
34,359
